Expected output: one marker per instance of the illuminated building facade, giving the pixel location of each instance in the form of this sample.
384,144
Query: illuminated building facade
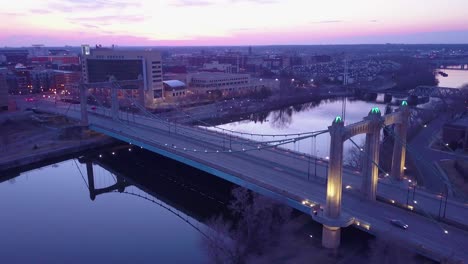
110,64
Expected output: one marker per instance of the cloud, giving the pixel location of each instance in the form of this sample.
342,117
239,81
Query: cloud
106,20
182,3
188,3
11,14
373,21
69,6
40,11
327,21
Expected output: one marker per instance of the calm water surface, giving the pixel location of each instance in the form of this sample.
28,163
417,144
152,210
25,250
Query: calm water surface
455,78
308,117
48,217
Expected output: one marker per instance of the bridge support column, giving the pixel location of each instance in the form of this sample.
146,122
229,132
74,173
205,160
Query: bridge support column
331,235
83,105
388,98
371,154
370,161
399,145
90,172
114,103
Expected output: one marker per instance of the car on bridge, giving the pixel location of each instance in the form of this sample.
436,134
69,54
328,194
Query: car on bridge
399,223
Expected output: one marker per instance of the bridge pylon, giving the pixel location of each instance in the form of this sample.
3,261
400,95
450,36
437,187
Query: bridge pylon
399,145
83,104
331,234
114,103
370,170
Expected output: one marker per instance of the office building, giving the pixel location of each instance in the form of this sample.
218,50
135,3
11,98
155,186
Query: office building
63,79
141,67
227,83
14,56
174,89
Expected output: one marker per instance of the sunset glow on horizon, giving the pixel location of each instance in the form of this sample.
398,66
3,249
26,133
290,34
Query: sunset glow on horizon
231,22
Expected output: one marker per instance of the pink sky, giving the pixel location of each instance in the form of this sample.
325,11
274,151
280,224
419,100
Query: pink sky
232,22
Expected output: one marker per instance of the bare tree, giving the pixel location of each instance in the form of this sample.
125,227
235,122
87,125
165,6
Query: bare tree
386,249
355,157
260,225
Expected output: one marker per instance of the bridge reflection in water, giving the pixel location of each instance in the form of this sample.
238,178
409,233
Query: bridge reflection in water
165,185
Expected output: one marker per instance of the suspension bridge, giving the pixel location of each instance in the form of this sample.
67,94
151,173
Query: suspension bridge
335,196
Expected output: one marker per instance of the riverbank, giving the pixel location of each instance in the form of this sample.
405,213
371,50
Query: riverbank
27,138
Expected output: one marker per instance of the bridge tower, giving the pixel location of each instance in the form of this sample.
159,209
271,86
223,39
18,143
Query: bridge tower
331,233
114,98
370,170
399,145
83,104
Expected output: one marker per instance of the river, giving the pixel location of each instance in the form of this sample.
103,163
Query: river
308,117
48,217
455,78
137,207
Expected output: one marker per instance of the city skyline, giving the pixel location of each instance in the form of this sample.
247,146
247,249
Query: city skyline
232,22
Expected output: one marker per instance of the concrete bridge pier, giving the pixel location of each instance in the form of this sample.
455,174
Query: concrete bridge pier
388,98
331,237
331,234
399,145
83,105
114,103
371,154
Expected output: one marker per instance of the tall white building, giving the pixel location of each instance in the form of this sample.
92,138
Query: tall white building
104,64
